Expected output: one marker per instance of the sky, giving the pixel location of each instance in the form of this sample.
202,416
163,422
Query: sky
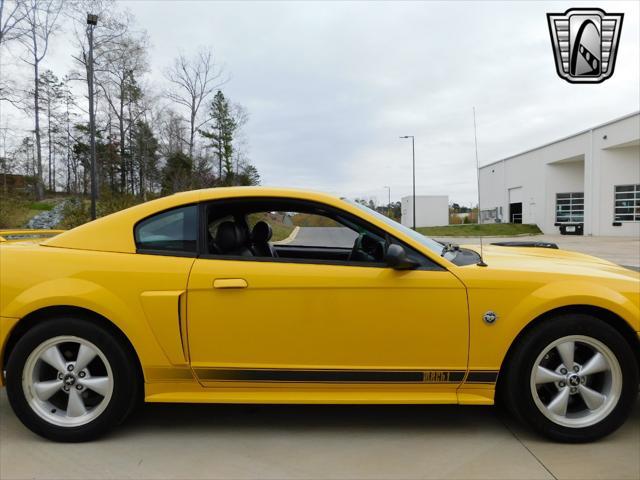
331,86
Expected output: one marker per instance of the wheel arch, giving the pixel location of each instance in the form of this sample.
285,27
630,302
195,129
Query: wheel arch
50,312
611,318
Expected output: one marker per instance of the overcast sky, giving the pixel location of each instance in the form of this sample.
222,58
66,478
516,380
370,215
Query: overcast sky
330,86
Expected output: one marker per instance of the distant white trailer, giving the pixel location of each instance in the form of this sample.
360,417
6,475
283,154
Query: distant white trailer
431,210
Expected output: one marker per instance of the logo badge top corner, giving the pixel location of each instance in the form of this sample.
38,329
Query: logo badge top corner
585,43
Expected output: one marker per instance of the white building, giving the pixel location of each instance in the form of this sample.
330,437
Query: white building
431,210
588,182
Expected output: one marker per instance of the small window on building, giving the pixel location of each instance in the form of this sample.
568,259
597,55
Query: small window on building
175,231
570,207
627,203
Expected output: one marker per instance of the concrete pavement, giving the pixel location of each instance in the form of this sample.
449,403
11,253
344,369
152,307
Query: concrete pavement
311,442
324,237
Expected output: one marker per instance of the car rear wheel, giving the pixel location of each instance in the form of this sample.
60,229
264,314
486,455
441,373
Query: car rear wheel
574,378
70,380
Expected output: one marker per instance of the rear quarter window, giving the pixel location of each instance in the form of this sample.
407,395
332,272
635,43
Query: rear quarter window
174,230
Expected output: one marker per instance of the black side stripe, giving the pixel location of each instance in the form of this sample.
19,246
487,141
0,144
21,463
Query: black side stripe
308,376
330,376
484,376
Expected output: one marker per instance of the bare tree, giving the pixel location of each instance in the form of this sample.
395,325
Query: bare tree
51,96
67,118
12,27
108,32
241,160
122,66
12,14
7,157
9,91
194,79
112,26
40,18
172,130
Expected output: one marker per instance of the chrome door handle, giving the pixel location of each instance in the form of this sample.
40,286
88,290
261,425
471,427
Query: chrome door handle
230,283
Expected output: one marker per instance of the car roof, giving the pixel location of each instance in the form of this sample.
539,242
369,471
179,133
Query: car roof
114,233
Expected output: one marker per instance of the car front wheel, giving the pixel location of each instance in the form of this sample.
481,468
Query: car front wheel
70,380
574,378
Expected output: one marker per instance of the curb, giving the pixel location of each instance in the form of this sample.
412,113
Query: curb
487,236
292,236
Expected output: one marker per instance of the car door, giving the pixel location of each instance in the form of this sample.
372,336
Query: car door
257,320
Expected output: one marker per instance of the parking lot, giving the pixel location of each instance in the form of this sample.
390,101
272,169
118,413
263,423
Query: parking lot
310,442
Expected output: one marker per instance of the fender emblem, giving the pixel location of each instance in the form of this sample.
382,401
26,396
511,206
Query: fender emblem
490,317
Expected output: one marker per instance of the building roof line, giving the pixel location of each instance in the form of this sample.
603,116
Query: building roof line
624,117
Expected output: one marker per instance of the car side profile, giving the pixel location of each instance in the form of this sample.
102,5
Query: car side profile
266,295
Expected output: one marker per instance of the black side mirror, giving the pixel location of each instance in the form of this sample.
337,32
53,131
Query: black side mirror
396,257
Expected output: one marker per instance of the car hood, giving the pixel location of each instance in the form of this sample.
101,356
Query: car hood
550,260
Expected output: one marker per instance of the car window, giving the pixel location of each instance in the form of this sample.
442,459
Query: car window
431,244
171,231
283,230
306,229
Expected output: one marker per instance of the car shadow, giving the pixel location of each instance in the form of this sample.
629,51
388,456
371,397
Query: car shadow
209,417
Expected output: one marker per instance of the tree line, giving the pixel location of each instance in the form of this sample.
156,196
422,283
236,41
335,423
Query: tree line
150,139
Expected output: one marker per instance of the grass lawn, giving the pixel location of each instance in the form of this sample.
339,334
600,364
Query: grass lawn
484,230
41,206
280,231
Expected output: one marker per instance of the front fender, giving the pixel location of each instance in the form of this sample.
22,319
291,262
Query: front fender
568,293
518,306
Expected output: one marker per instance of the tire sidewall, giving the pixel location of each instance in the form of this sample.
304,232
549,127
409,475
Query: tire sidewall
124,378
521,397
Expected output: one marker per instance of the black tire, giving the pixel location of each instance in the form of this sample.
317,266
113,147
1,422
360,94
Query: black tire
517,391
126,381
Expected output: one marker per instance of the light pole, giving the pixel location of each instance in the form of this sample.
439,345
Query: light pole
413,156
388,204
92,21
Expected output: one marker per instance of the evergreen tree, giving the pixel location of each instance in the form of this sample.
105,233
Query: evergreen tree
220,133
145,157
248,176
176,175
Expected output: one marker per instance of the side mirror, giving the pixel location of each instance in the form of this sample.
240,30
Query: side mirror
396,258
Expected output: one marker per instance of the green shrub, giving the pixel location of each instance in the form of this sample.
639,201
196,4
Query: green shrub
78,211
75,212
109,203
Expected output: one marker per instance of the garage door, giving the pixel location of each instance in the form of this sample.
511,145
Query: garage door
515,195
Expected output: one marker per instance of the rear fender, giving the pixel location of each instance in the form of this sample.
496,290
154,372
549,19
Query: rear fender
75,292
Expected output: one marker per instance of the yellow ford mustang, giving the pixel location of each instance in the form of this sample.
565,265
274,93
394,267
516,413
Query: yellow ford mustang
258,295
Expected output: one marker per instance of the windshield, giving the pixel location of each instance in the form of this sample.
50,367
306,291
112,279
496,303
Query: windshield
430,243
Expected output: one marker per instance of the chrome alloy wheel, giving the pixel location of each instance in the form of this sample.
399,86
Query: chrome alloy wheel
67,381
576,381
